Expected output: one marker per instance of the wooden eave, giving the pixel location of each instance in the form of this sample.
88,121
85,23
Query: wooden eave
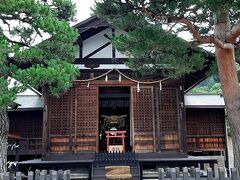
91,22
90,27
87,61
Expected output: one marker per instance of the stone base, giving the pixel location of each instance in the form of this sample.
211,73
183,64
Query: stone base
118,173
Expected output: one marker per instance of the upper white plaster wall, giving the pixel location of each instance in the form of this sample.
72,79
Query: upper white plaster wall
98,40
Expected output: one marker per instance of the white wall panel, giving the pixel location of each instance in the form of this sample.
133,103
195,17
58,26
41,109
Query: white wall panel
96,41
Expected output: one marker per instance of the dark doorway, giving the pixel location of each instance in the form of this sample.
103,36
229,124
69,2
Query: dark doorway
114,115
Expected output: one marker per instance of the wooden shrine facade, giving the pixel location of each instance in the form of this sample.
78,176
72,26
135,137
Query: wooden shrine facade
156,118
155,114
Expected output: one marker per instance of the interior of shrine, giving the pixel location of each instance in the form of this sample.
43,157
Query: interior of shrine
114,119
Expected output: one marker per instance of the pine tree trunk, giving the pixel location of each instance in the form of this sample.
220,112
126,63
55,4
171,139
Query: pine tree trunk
230,87
229,81
4,128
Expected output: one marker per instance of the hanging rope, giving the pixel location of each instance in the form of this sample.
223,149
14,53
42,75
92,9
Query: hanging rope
133,80
95,78
141,82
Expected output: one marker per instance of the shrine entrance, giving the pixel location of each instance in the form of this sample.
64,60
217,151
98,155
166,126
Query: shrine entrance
114,119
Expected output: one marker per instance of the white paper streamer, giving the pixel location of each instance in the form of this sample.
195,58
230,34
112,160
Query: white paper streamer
106,78
119,78
160,85
138,87
88,85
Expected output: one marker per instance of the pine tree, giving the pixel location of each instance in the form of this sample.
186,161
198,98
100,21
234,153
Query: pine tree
152,26
36,48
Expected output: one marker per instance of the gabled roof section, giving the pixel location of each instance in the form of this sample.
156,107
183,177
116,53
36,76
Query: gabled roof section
91,22
30,99
29,102
204,101
90,27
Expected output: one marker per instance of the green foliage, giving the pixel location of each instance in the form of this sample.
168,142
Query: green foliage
210,85
201,89
151,48
141,15
26,55
199,12
57,75
7,95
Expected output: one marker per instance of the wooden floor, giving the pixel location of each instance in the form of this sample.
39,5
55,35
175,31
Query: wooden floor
88,158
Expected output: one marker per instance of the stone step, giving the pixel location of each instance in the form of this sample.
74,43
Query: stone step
99,173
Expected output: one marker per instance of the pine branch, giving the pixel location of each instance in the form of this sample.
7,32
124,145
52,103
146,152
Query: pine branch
191,27
13,41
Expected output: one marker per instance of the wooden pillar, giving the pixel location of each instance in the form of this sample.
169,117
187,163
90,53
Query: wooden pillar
45,123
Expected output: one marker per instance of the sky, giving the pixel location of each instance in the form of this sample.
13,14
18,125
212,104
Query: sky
83,9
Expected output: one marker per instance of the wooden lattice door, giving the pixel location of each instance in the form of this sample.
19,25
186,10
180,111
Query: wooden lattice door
60,123
73,121
86,119
143,119
168,118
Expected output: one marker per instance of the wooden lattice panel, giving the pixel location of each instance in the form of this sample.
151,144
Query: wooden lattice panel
143,119
86,118
205,122
167,108
60,114
205,129
217,125
27,124
87,110
143,109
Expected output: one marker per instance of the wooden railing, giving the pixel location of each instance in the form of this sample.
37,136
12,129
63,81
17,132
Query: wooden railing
39,175
115,158
26,146
191,174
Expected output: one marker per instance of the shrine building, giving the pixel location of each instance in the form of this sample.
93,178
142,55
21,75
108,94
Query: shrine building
111,108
